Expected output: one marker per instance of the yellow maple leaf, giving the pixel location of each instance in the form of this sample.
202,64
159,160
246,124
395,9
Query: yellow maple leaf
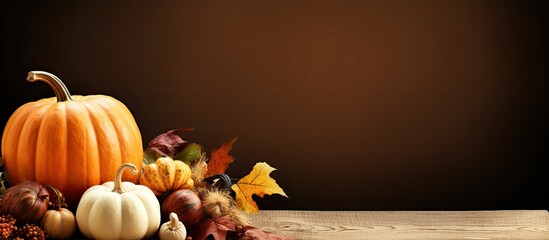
258,182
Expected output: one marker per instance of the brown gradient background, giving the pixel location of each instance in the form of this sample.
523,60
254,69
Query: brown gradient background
365,105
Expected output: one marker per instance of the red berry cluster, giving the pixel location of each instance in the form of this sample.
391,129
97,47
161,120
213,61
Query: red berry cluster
8,230
7,226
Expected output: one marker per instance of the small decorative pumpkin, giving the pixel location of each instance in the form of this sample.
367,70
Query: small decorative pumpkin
186,204
54,139
118,210
59,222
26,202
166,175
172,230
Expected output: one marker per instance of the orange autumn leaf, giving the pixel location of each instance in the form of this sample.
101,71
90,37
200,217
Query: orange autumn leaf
258,182
220,159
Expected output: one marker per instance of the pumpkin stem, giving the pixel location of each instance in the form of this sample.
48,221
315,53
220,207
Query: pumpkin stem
118,176
61,91
60,202
174,222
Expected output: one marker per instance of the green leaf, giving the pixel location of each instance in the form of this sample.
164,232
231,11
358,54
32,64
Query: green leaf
189,153
150,156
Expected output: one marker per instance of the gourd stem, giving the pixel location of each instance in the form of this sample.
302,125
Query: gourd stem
118,177
174,222
59,195
61,91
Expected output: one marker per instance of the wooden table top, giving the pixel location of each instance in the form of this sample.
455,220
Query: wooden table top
509,224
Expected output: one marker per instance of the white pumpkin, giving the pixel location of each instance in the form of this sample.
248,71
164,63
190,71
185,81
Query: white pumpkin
118,210
172,230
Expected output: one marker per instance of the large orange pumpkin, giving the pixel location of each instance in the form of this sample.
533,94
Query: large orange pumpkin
70,142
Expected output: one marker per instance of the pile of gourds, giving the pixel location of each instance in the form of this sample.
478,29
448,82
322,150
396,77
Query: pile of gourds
73,145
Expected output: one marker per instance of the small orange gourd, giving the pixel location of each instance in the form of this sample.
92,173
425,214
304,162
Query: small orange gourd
71,142
166,175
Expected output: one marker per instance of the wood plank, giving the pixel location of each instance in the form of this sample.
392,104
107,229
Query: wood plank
514,224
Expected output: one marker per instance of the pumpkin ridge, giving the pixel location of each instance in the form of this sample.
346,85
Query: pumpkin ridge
11,138
66,152
106,197
119,133
16,149
44,143
79,128
137,206
94,131
104,157
164,167
138,192
38,137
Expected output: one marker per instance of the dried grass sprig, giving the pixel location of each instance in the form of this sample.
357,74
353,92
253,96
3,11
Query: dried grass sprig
199,169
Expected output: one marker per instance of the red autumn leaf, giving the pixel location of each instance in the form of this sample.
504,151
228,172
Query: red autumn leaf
217,228
169,143
220,159
252,233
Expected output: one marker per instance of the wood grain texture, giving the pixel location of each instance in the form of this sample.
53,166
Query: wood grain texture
515,224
